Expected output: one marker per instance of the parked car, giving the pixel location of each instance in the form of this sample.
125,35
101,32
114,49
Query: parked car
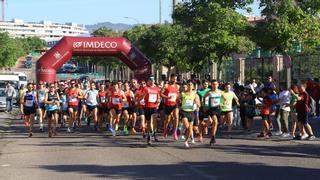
69,68
28,62
2,100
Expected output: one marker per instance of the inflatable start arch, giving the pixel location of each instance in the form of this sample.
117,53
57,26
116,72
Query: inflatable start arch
92,46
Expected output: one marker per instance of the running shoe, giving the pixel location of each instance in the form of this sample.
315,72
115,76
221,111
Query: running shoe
186,145
68,130
125,130
285,135
50,134
30,134
279,133
155,137
312,137
261,135
212,141
165,133
74,125
113,132
297,137
200,139
192,141
175,136
133,131
182,138
41,129
304,137
149,140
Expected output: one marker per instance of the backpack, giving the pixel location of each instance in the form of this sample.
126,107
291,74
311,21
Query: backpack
311,106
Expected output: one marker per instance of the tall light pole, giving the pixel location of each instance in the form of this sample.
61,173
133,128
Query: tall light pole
160,11
136,20
174,2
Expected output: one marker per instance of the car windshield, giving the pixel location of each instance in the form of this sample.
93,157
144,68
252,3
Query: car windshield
22,78
2,92
13,83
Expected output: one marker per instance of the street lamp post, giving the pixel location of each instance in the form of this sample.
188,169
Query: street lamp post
136,20
160,11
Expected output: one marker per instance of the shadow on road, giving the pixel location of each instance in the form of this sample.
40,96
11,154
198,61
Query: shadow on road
191,170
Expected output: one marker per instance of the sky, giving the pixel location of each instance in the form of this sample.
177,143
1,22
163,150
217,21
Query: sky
89,12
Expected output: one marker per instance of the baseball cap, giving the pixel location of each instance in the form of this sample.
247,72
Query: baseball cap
151,78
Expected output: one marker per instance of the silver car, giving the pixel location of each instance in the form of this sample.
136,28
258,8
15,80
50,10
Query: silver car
2,100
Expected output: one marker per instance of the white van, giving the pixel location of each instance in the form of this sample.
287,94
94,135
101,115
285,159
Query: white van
12,78
22,79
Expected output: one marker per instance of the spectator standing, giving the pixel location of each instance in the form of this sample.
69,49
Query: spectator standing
10,95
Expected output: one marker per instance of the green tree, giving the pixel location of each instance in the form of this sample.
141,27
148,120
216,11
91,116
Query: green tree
287,22
215,30
30,44
10,51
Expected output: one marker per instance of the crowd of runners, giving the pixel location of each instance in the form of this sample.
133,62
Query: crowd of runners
186,109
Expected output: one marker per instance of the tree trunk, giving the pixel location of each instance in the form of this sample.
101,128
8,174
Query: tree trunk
219,64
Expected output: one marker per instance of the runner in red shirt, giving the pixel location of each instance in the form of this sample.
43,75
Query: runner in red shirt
170,93
117,97
152,99
140,105
73,96
127,108
103,104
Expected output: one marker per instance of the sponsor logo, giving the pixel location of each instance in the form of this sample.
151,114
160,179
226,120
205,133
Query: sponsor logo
44,70
57,55
95,45
77,44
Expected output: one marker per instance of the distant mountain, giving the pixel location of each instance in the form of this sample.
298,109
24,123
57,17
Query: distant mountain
115,27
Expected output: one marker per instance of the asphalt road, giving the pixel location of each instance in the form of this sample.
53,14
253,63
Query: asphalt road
89,155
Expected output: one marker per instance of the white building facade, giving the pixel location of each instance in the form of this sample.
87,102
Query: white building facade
46,30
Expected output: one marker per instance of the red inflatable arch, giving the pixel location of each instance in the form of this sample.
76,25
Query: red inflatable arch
92,46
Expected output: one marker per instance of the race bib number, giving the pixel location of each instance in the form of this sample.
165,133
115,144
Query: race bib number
152,98
73,99
188,103
103,99
215,102
125,104
142,102
41,98
173,97
115,101
29,103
